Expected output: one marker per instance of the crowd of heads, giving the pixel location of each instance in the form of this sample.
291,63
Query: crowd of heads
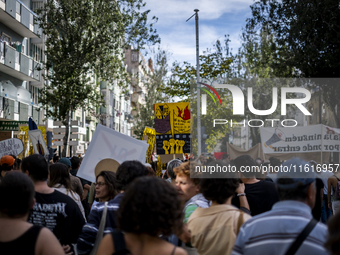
151,205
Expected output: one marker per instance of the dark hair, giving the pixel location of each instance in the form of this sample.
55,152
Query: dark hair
16,194
333,241
128,171
150,206
151,172
56,158
75,161
111,182
219,189
247,161
274,161
17,164
59,175
36,166
224,156
170,167
299,193
6,167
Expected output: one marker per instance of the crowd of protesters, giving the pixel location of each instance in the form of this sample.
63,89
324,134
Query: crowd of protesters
46,209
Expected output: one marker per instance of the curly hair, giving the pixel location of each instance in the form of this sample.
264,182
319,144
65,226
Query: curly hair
111,182
150,206
184,169
219,189
128,171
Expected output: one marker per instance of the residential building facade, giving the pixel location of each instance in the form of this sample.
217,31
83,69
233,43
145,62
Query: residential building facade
21,53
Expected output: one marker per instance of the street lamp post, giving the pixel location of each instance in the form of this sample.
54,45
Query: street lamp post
199,147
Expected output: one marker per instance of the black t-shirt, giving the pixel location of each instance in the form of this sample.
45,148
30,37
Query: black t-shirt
318,203
59,213
260,195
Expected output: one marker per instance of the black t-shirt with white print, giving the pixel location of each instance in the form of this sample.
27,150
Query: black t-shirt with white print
59,213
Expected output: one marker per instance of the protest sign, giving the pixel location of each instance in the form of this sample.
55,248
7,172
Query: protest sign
172,125
38,142
12,146
314,138
108,143
149,135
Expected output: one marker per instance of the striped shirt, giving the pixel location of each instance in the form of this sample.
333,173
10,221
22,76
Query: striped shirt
274,231
88,235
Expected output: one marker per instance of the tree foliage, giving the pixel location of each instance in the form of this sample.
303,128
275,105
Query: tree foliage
214,65
86,38
306,40
155,81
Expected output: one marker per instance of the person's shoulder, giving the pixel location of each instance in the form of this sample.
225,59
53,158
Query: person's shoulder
258,219
47,243
58,196
321,229
197,213
180,251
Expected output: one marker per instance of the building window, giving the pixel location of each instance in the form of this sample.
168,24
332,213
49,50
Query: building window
134,56
16,107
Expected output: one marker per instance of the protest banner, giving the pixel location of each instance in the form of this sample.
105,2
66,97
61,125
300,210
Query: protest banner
314,138
149,135
38,142
28,148
12,146
108,143
172,125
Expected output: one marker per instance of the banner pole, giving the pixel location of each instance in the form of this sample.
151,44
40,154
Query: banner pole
321,142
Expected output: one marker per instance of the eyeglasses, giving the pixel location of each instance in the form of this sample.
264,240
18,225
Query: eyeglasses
100,184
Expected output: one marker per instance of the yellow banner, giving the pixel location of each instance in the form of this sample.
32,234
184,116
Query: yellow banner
172,125
28,148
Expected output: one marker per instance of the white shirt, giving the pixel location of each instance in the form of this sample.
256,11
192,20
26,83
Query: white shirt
324,175
71,194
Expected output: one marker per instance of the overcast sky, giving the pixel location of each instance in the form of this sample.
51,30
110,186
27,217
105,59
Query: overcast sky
216,18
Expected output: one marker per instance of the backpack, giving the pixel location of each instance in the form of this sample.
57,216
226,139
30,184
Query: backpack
337,189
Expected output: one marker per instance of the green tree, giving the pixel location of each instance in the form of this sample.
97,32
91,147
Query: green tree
215,64
84,38
157,80
307,35
261,61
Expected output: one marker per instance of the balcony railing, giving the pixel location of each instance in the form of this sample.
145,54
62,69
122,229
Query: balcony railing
26,67
24,16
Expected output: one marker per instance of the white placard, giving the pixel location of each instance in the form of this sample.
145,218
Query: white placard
38,142
314,138
108,143
13,146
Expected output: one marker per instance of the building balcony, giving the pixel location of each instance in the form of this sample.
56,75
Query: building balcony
19,18
18,65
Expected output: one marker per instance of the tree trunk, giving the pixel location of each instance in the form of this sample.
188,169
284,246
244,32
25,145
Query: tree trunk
66,139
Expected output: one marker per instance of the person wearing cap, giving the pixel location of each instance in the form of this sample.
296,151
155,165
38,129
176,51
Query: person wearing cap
75,181
7,164
275,231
